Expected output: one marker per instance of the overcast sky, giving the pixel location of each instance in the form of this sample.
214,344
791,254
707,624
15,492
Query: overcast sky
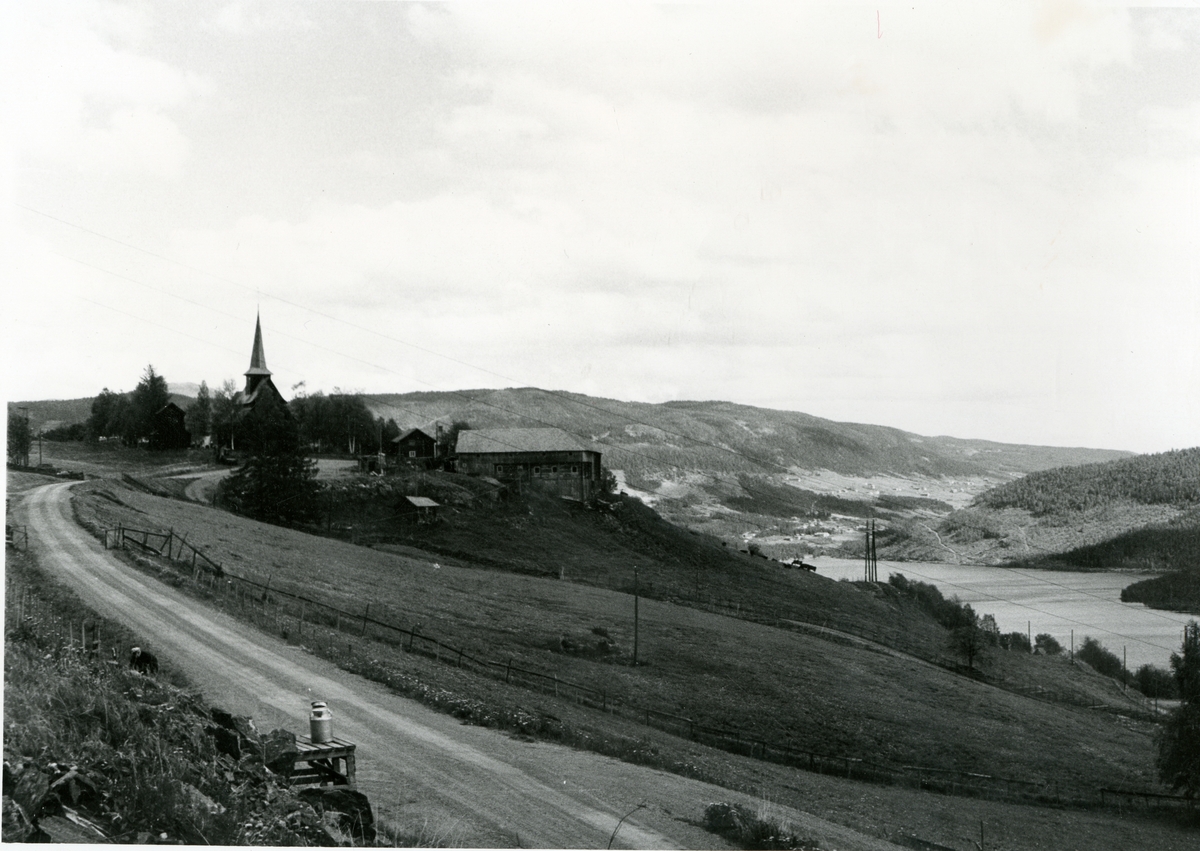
970,220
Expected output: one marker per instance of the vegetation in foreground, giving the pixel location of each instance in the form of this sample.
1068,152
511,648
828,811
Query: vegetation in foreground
95,752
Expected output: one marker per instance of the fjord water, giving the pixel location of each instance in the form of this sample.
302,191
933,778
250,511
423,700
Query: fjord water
1048,601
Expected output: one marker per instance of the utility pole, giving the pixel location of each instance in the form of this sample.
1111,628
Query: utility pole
25,456
635,617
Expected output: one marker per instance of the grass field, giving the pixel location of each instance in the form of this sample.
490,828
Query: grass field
775,683
831,694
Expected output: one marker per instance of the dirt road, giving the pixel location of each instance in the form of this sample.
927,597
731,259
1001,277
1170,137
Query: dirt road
472,786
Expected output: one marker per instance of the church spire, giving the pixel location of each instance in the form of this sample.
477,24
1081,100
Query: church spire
258,360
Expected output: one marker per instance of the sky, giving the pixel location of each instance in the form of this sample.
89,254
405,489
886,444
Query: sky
972,219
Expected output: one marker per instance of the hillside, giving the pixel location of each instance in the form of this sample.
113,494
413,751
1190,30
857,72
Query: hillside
1137,513
653,442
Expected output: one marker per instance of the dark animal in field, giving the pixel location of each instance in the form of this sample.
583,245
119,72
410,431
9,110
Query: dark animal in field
143,661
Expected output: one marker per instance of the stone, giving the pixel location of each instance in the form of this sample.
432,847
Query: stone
353,809
279,751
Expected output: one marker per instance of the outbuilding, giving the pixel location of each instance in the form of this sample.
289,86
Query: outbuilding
415,447
547,459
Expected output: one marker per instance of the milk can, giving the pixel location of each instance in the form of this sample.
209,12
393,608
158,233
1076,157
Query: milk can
320,723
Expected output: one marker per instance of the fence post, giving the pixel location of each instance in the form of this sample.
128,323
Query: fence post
364,626
460,658
300,624
508,670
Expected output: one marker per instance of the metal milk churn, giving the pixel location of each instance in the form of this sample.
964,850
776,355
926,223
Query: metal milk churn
320,723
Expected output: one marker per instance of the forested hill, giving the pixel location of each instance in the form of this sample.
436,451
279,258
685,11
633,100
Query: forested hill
666,439
1165,478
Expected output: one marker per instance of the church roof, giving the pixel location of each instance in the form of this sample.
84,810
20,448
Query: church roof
258,359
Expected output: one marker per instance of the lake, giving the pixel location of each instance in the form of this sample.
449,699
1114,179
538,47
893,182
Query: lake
1047,601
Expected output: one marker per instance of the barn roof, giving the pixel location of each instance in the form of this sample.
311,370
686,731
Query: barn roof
410,433
422,501
518,440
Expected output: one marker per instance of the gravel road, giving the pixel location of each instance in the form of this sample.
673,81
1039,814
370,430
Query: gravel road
472,786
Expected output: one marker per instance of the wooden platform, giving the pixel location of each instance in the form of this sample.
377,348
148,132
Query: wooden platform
327,763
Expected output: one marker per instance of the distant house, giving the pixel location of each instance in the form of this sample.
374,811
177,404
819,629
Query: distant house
168,430
546,459
415,446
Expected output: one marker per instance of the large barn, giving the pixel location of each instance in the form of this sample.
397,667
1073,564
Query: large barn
548,459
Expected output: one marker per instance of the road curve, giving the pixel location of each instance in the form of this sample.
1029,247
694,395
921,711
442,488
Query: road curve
473,786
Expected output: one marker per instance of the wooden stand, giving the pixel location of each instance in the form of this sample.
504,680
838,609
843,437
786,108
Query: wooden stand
327,763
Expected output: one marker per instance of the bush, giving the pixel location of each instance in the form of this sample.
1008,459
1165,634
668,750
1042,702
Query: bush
1101,659
1046,644
951,613
1017,641
1156,682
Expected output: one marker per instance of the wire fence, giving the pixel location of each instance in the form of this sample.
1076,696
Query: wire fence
328,626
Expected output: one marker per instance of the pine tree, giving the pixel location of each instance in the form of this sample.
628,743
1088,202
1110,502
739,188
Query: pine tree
199,415
277,483
1179,742
148,398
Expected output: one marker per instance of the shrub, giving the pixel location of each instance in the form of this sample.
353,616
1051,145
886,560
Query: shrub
951,613
1018,641
1047,644
1101,659
1156,682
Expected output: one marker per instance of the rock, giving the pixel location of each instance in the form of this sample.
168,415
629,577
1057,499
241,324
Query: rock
248,739
16,824
279,751
353,809
197,800
227,741
26,784
71,788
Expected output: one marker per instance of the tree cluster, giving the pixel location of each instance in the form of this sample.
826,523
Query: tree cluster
1164,478
130,417
1179,741
341,422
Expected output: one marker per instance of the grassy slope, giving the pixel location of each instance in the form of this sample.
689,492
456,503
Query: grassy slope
781,684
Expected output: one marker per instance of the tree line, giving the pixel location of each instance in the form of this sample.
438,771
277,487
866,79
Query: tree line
338,422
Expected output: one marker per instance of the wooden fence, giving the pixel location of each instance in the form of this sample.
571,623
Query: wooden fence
281,611
16,537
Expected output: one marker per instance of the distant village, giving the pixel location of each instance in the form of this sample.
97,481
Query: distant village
550,460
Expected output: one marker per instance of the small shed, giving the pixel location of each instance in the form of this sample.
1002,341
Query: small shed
419,509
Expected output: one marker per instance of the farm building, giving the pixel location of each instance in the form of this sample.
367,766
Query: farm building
168,430
418,509
548,459
415,446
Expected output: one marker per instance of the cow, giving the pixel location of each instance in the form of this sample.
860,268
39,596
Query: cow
143,661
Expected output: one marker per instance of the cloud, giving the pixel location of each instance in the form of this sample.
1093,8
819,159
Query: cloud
80,94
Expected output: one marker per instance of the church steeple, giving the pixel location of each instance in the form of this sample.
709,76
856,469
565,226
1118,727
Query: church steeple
258,360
